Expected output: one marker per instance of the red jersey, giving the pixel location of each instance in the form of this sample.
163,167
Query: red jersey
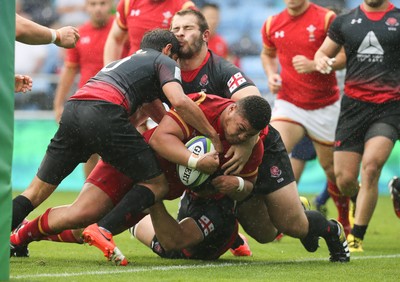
88,52
301,35
218,45
138,17
212,107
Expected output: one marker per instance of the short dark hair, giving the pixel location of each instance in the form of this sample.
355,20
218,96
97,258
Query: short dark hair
201,20
256,110
158,38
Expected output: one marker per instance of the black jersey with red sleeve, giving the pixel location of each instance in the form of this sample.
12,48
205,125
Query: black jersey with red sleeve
371,42
133,80
215,76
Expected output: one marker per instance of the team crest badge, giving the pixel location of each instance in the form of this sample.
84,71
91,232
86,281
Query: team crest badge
311,35
392,23
204,80
275,171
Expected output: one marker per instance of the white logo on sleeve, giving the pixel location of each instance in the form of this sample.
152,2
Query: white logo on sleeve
235,81
370,49
178,74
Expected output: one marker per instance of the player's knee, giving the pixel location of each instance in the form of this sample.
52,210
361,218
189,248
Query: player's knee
370,171
347,184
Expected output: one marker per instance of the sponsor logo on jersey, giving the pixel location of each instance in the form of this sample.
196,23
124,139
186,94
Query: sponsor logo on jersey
392,23
84,40
311,35
356,21
135,13
235,81
279,34
206,225
370,49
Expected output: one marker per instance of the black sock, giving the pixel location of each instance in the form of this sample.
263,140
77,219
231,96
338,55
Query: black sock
135,201
359,231
22,206
238,242
318,226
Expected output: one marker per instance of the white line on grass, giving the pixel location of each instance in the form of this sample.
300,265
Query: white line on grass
180,267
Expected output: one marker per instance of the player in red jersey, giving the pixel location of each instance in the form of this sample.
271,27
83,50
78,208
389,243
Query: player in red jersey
86,59
307,101
369,121
134,18
235,122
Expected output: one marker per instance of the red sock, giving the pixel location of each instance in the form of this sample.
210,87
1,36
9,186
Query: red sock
34,230
65,236
342,205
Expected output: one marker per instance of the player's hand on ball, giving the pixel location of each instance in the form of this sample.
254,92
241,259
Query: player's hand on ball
208,163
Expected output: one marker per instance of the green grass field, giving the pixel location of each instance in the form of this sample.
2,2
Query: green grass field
286,260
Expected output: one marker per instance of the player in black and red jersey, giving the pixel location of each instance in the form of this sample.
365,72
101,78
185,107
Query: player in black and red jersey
369,122
97,120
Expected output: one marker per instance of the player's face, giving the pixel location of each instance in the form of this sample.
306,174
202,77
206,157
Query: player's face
295,4
99,11
237,129
375,3
188,33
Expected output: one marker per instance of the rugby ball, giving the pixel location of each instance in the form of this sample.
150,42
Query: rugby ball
191,177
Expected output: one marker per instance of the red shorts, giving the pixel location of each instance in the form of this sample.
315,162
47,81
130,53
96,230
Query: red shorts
116,184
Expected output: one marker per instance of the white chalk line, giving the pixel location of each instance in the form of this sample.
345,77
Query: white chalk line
182,267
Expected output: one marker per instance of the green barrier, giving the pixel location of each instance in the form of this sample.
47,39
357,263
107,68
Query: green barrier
7,31
30,144
37,134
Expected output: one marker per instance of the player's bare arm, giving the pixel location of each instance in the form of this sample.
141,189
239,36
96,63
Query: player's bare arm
171,234
114,43
167,142
270,64
29,32
235,187
325,56
190,112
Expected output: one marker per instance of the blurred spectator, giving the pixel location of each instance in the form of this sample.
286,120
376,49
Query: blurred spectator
216,42
29,59
71,12
42,12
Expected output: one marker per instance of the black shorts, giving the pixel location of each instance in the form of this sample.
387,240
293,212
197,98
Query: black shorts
275,170
217,221
89,127
357,120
